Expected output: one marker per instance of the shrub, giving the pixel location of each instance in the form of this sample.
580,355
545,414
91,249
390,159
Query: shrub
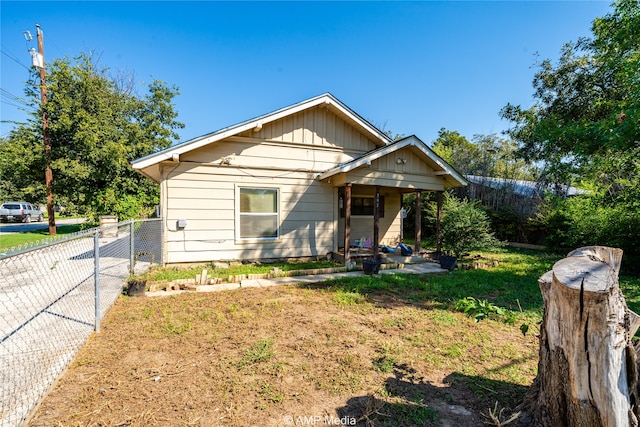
585,221
465,227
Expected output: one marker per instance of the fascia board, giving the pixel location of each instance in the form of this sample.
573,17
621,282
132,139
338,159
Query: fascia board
186,147
364,160
218,136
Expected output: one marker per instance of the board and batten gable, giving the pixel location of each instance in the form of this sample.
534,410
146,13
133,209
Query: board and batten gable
392,171
403,169
287,155
319,126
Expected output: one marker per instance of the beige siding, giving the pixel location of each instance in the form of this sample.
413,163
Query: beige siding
242,152
318,126
401,170
411,164
204,196
410,173
287,154
365,176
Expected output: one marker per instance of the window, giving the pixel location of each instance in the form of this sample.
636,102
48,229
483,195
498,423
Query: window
362,206
259,213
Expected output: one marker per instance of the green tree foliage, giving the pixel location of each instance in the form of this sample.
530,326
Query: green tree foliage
585,127
465,225
97,125
498,158
457,150
485,155
588,104
21,165
584,221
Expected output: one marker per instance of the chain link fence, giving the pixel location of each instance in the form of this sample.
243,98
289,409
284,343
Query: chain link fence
53,297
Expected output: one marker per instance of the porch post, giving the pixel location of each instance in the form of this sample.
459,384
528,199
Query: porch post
418,221
438,221
376,223
347,222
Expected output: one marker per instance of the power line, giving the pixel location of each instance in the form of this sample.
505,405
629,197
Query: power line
11,96
14,59
7,93
14,105
8,51
8,98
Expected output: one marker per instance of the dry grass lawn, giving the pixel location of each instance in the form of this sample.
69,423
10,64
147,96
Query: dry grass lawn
291,355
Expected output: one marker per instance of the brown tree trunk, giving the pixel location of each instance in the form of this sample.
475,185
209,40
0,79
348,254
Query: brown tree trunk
587,373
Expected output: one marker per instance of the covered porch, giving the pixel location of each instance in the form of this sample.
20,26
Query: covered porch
378,232
370,189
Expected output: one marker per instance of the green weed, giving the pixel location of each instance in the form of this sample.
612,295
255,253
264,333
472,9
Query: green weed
349,298
270,393
174,273
479,309
260,351
386,358
172,326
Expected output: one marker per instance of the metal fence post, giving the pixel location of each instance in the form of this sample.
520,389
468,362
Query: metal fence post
54,321
132,248
162,246
96,274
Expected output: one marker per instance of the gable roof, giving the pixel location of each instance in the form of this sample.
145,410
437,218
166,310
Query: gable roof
327,99
435,162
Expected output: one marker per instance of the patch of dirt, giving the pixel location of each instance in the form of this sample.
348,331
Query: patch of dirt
290,356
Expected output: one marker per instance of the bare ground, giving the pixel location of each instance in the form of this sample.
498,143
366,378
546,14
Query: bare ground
290,356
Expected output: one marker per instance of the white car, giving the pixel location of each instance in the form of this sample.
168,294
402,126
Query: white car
20,211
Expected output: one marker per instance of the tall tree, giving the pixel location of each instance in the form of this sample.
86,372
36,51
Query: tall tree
18,155
497,157
587,112
456,150
97,127
485,155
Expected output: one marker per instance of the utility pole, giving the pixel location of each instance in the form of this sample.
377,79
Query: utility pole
48,172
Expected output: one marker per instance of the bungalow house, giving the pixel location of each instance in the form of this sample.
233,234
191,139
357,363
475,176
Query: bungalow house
307,180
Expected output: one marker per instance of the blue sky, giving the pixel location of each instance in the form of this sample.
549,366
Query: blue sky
407,67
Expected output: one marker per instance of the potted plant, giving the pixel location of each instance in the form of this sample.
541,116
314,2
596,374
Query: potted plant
448,262
136,285
465,227
371,266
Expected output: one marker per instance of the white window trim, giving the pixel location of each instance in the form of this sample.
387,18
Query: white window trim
241,241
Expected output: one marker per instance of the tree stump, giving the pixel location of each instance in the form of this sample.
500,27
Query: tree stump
588,372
